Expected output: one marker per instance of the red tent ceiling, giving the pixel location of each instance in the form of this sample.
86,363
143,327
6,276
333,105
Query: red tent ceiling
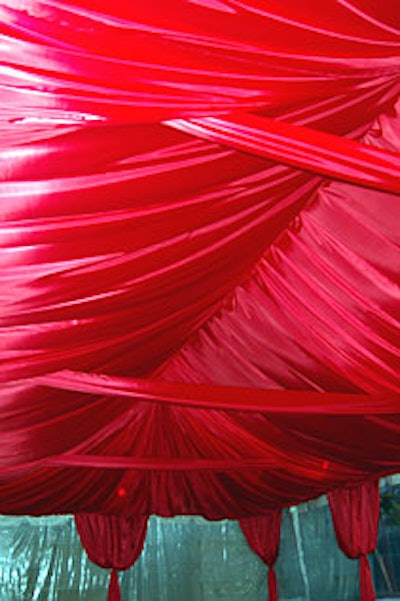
199,262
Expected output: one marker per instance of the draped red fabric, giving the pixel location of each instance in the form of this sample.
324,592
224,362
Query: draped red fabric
301,147
263,535
355,514
82,60
199,205
114,591
112,542
319,282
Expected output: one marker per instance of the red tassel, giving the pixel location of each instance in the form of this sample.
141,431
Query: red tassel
114,592
367,590
272,585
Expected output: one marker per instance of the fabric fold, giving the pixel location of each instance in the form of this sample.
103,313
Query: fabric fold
263,536
301,147
367,589
355,514
112,542
114,591
272,584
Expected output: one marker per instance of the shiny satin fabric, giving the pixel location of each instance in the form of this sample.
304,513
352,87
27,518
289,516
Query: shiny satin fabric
85,60
131,249
301,147
173,459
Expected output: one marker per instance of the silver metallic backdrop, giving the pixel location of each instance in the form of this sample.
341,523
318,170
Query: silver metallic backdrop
190,559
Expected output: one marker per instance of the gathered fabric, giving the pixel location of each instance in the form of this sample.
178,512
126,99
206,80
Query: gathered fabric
199,298
355,515
263,536
112,542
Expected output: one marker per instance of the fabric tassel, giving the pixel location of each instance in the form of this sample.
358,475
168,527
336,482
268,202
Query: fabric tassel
272,585
367,590
114,592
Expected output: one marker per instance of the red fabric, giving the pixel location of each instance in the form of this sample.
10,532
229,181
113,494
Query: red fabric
355,513
224,397
112,542
140,61
301,147
272,585
367,588
216,255
114,591
251,342
263,535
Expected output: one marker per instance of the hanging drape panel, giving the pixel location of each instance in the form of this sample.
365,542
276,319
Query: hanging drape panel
263,535
112,542
355,514
166,216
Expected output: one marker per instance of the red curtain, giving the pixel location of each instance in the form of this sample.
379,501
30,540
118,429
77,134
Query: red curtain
112,542
355,513
263,535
